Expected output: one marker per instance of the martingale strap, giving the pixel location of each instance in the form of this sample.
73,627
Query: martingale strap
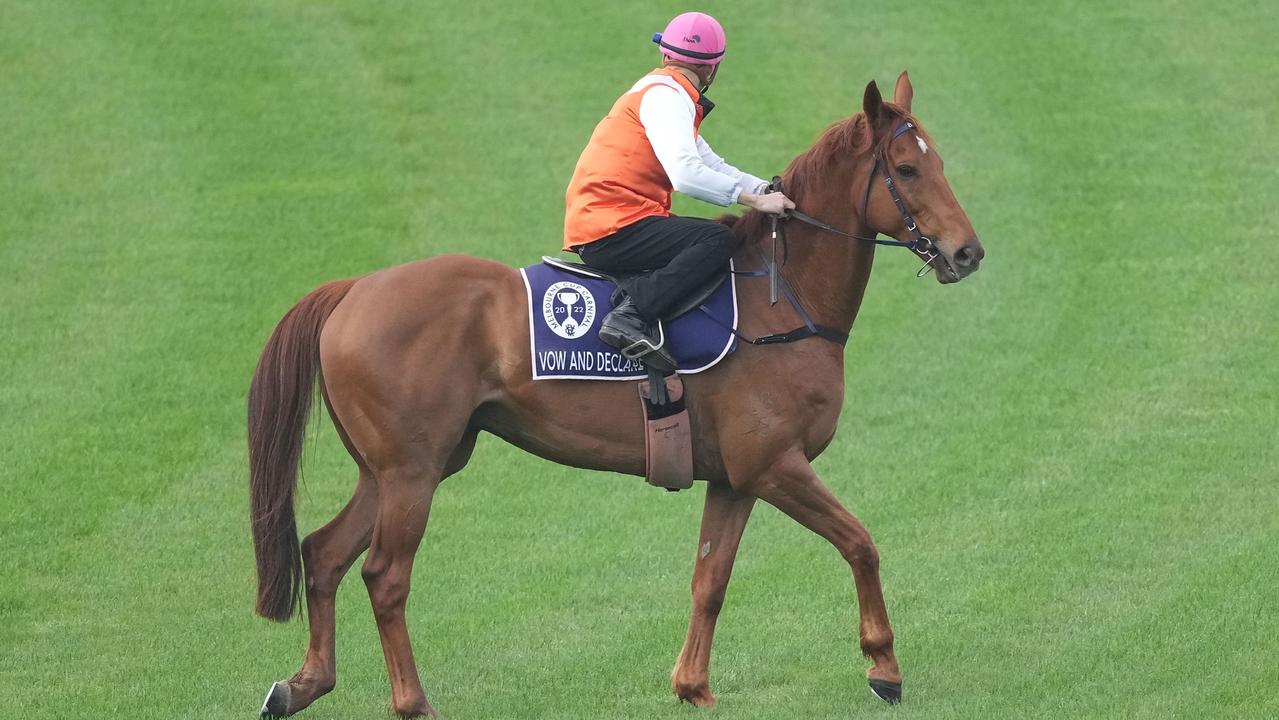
818,331
810,328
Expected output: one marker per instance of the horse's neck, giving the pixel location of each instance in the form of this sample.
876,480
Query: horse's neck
828,272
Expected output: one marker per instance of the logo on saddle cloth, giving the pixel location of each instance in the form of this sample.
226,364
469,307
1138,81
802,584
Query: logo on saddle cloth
568,309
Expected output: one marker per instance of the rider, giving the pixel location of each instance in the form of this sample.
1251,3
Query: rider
618,203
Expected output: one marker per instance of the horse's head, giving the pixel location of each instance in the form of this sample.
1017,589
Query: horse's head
902,153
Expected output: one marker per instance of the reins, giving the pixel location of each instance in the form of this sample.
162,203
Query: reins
920,244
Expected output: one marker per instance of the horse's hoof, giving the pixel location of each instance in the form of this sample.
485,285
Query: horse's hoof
276,704
701,698
889,692
417,712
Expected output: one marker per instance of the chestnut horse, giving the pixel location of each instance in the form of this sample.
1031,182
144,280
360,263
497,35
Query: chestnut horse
411,374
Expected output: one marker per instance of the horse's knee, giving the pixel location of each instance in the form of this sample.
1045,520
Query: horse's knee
860,552
388,589
708,597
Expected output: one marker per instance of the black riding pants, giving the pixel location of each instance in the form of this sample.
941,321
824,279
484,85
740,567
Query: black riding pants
680,252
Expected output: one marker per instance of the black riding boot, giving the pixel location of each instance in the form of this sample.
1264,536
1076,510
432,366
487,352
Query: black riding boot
624,328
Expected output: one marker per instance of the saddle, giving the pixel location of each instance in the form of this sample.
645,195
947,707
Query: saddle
690,303
699,331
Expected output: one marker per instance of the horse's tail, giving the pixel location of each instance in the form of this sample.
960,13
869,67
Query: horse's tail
279,402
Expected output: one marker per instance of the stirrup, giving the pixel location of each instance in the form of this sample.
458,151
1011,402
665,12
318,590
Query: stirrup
638,349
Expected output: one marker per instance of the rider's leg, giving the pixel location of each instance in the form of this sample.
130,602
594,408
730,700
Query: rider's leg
681,253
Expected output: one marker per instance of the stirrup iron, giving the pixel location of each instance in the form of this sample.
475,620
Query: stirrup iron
638,349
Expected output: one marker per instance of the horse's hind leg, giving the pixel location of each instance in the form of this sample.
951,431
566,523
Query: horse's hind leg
723,520
404,503
327,554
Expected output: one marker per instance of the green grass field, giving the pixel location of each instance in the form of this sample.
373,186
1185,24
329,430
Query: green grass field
1068,461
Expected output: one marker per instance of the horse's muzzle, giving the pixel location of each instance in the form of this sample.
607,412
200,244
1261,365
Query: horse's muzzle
963,262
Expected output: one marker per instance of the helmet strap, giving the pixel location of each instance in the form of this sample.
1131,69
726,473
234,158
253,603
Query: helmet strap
701,78
710,78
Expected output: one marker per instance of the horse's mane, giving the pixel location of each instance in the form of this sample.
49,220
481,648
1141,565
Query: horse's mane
841,140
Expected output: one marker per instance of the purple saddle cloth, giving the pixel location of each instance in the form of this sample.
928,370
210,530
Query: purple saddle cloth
565,310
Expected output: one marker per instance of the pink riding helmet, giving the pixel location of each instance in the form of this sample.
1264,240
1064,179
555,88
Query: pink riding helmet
693,37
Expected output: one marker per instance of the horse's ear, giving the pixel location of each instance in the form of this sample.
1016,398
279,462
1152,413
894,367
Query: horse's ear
872,102
903,92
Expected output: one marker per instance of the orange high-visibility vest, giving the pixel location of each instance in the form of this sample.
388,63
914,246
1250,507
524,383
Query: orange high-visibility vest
618,179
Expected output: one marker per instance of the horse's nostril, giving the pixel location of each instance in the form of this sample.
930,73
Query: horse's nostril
965,256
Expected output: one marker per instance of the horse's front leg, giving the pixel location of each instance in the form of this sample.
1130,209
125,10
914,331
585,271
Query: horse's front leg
723,520
793,487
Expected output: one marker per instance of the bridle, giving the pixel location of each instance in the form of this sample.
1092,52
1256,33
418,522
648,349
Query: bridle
921,244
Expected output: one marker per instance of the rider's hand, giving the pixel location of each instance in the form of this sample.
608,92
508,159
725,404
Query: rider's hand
771,203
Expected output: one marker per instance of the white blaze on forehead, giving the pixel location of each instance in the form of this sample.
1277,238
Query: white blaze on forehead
923,146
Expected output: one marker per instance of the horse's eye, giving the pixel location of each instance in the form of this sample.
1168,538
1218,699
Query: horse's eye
907,171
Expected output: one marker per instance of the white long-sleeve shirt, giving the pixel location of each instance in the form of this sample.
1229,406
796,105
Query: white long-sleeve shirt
667,114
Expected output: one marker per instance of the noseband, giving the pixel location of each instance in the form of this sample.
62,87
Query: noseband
920,244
